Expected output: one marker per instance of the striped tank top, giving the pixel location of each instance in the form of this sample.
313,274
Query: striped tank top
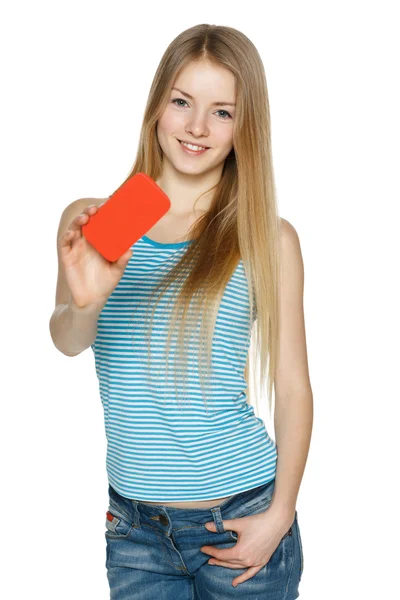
159,450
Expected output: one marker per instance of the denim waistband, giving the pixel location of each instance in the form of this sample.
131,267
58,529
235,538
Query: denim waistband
169,518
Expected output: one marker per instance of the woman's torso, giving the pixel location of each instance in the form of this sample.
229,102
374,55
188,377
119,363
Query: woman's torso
171,230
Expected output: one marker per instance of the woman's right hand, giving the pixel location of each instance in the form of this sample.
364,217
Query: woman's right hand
91,277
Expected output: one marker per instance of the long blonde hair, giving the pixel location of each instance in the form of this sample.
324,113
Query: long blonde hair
242,221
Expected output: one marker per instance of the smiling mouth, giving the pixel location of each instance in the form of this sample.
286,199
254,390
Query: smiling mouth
206,147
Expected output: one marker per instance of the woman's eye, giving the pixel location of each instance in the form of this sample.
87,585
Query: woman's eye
178,100
223,111
226,112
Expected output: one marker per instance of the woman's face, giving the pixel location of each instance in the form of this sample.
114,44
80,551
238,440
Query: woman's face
198,119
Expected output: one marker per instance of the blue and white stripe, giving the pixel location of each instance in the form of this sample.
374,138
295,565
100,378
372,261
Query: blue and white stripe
159,449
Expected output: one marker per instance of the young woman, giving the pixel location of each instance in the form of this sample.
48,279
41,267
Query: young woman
201,504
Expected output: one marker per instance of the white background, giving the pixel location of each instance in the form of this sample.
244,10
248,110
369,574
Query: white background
75,79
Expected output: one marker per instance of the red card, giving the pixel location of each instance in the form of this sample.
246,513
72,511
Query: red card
126,216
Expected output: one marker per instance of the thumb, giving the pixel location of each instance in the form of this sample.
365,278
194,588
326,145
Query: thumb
124,259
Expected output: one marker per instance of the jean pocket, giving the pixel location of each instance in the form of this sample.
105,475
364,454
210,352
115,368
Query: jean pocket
117,525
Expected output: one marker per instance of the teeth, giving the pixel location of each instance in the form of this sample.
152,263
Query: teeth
193,147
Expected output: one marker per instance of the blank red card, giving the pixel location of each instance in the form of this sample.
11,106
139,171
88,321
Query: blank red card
126,216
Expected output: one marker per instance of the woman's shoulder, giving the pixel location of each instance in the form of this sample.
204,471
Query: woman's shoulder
287,231
291,254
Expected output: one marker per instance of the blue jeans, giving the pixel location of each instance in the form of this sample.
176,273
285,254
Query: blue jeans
153,552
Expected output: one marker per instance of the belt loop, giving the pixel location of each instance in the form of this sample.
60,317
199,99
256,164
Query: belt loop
216,513
136,514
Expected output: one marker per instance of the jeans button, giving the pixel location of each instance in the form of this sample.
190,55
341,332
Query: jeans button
163,520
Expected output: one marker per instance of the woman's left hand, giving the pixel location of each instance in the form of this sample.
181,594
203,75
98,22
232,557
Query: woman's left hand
258,537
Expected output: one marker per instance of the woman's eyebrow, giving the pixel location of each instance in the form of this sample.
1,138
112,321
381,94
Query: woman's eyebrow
214,103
